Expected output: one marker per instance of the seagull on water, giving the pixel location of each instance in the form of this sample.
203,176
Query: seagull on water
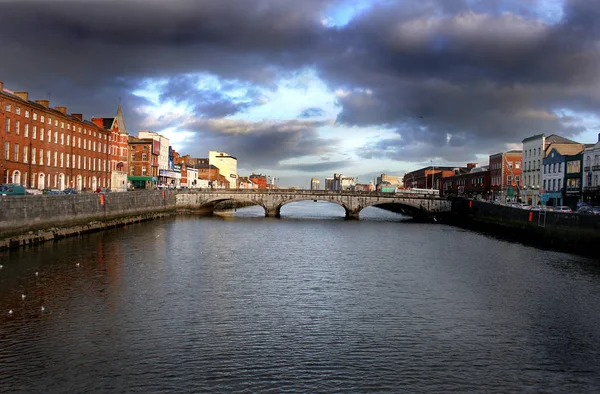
77,264
23,296
10,312
43,309
36,273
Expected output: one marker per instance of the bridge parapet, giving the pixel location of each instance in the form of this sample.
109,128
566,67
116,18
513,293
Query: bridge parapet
352,202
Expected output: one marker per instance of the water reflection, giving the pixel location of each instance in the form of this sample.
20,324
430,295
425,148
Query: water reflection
309,302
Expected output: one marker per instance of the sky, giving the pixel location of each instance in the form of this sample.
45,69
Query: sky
301,89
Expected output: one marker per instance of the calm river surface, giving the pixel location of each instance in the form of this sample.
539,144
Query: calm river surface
306,303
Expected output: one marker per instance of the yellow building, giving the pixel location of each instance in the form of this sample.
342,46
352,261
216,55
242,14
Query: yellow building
226,164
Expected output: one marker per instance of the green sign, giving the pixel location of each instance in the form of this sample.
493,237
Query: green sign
510,191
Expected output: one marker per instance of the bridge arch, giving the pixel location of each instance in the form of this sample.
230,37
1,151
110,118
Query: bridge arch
275,211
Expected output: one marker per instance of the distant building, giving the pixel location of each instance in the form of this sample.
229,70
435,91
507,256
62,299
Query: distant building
259,179
395,180
329,184
315,184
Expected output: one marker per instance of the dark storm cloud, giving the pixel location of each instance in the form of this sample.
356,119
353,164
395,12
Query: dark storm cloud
258,144
452,77
91,52
312,112
456,84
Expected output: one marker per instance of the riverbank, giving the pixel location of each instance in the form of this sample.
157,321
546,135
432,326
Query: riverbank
562,232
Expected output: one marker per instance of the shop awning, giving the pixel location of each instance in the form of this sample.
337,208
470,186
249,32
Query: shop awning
139,178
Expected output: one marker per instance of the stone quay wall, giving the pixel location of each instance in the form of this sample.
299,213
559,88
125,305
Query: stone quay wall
565,232
33,219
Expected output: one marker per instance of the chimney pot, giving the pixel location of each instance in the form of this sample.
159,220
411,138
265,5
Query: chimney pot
43,103
1,86
62,110
78,116
22,95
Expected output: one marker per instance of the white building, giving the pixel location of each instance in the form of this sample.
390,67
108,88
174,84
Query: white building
226,164
591,172
534,151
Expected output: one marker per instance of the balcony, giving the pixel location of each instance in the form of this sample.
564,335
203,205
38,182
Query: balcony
573,190
586,168
596,168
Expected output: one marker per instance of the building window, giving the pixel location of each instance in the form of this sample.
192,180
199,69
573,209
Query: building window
34,132
25,154
33,156
16,152
143,170
68,140
560,167
41,134
56,137
510,165
62,138
7,150
18,110
7,125
7,108
26,113
67,163
48,156
41,157
559,182
26,130
509,179
34,116
18,127
545,167
554,168
544,183
554,184
49,135
517,164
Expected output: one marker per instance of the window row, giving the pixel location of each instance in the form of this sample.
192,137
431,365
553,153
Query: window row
52,159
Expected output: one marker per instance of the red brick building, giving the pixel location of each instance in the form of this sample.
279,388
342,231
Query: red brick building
143,162
118,149
470,182
43,147
505,174
260,180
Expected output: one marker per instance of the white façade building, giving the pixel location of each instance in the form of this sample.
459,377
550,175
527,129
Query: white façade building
534,151
591,173
226,164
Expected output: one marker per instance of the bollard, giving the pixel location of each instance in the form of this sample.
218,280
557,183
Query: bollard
530,216
470,203
101,199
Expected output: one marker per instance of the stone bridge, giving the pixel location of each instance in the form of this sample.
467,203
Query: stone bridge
352,202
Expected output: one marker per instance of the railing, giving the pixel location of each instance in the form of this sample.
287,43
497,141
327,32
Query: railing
595,168
586,168
573,190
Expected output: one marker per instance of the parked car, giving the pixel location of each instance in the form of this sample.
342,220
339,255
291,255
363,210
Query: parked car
563,209
12,190
70,190
103,190
589,210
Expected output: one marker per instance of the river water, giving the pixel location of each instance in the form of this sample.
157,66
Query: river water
305,303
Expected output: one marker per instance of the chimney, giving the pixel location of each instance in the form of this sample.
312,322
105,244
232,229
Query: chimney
598,133
471,165
78,116
1,86
22,95
62,110
43,103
